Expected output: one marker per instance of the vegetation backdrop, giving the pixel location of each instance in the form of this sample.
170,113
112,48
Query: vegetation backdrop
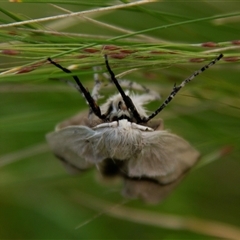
153,43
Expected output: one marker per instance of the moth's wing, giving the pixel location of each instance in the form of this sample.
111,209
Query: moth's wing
160,166
79,147
164,157
80,119
155,124
147,189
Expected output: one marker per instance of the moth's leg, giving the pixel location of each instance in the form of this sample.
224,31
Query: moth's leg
149,94
96,89
127,100
106,125
142,128
97,84
95,108
177,88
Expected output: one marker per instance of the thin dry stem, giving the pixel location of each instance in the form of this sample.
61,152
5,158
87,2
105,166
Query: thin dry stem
106,25
76,13
23,153
174,222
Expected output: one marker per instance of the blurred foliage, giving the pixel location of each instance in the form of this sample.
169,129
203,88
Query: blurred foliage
161,43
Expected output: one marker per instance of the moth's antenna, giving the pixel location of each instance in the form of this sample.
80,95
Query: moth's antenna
126,99
95,108
177,88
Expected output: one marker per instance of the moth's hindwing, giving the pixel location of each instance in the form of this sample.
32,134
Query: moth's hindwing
147,189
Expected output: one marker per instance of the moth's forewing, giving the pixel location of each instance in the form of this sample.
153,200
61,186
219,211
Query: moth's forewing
147,189
68,145
164,157
80,119
155,124
160,168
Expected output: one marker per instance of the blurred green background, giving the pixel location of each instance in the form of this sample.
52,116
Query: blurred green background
38,199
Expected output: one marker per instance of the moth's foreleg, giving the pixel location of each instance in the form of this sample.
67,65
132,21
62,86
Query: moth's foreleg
97,84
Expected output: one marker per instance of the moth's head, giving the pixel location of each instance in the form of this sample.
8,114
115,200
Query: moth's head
118,109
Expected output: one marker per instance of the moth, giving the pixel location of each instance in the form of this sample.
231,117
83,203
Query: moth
120,139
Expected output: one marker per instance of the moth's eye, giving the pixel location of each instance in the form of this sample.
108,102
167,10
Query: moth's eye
119,104
115,118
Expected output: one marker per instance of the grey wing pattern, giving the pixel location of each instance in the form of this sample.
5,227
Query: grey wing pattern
79,147
160,166
164,157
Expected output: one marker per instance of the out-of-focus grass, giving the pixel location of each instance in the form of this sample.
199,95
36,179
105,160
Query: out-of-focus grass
38,198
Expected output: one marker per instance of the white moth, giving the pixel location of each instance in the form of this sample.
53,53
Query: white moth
122,140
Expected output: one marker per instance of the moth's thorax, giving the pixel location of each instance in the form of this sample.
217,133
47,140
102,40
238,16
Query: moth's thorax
122,139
